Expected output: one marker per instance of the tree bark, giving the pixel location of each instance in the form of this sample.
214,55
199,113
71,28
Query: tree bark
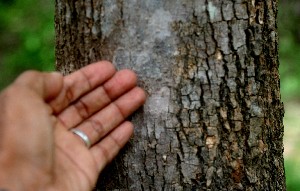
213,119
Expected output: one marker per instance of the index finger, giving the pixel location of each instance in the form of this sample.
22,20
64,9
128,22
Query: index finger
81,82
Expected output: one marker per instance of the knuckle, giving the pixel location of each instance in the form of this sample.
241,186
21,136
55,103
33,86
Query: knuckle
105,153
69,95
82,109
97,127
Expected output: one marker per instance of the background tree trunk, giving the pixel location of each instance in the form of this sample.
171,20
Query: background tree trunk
213,119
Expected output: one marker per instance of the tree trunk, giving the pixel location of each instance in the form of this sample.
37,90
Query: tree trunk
213,119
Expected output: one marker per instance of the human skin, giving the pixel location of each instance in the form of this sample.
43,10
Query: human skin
37,149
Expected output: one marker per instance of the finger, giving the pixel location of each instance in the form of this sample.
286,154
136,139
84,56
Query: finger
109,147
120,83
82,81
101,123
46,85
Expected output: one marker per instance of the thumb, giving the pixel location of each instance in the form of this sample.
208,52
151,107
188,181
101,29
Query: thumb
46,85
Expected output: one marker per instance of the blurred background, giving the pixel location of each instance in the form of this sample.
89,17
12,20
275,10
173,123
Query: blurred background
26,37
289,55
27,42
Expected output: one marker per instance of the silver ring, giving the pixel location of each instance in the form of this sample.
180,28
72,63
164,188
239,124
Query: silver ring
83,136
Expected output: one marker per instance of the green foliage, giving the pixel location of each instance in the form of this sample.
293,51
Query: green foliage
293,175
289,50
292,145
26,36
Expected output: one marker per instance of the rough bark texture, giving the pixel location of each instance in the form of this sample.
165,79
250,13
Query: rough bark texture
213,119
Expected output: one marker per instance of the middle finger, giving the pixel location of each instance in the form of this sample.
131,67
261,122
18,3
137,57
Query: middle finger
103,122
96,100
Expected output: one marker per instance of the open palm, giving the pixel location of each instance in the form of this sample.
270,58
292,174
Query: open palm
95,100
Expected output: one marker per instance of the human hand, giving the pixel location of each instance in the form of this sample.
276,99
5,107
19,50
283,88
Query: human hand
37,149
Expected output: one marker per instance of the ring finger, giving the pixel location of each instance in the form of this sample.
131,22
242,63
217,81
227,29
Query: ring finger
101,123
